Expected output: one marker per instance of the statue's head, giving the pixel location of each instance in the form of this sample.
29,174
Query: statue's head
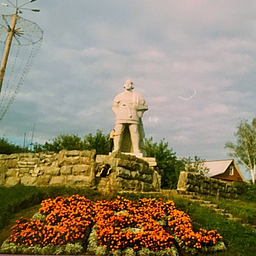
128,85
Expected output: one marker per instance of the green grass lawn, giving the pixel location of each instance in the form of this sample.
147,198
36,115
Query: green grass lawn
24,201
240,240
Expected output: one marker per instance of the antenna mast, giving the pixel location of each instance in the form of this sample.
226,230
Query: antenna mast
7,48
12,31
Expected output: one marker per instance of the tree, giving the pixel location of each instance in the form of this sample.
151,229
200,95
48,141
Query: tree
195,165
64,141
166,161
9,148
100,142
245,148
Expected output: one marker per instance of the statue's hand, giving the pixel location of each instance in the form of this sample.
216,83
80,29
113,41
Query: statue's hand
139,113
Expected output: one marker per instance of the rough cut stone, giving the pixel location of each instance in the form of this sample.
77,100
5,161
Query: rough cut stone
146,187
85,160
66,170
28,180
124,173
151,161
57,181
81,169
100,158
52,170
38,170
43,181
23,171
12,163
103,185
10,172
183,180
146,170
78,180
129,185
61,157
146,178
72,153
135,175
156,180
71,160
12,181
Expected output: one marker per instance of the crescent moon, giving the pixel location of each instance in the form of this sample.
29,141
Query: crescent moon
189,97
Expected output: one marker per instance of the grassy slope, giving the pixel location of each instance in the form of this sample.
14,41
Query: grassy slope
240,240
23,201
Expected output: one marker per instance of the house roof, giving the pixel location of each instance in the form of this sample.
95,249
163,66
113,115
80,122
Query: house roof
219,167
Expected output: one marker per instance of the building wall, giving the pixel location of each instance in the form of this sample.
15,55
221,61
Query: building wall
78,168
226,176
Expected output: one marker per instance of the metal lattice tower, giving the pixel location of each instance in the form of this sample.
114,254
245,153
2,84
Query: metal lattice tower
20,39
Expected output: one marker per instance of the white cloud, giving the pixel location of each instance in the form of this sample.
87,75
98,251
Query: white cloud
168,48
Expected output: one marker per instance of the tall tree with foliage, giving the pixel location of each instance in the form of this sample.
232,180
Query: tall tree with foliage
245,148
64,141
100,142
195,165
7,147
166,161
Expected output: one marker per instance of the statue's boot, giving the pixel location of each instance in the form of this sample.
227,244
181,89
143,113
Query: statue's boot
135,138
117,142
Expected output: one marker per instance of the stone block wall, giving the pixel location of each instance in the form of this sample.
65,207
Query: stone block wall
192,182
79,168
48,169
128,173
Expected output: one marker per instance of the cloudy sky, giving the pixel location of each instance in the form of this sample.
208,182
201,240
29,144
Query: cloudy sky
170,49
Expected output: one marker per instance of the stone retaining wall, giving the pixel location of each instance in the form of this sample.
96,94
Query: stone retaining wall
192,182
78,168
128,173
48,169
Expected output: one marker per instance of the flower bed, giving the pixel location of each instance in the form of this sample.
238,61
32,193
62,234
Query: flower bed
75,225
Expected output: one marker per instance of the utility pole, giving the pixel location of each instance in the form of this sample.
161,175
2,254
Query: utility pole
11,32
8,47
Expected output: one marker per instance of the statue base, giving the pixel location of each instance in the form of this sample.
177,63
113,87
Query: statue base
139,155
151,160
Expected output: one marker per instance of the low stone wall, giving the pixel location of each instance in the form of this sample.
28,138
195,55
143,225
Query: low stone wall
79,168
192,182
48,169
128,173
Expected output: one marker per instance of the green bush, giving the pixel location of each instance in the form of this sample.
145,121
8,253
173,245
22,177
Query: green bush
246,191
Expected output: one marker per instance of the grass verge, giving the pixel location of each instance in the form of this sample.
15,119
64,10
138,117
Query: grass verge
19,201
239,240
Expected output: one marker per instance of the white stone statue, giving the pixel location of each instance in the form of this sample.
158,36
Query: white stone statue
129,107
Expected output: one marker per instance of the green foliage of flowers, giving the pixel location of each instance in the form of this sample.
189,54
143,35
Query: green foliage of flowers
51,249
119,225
